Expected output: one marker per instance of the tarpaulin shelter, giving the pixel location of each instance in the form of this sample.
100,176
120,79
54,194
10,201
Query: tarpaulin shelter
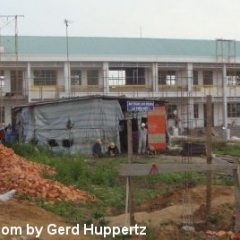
70,125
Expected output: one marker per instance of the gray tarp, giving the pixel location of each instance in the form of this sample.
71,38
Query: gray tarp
87,120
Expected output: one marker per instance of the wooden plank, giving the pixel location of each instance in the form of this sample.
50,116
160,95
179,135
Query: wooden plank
145,169
238,174
209,129
215,133
237,200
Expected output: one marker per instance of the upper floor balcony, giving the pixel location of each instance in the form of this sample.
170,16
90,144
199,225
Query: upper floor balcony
42,93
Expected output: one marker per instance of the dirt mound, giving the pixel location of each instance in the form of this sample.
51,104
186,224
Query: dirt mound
26,177
165,212
220,194
20,213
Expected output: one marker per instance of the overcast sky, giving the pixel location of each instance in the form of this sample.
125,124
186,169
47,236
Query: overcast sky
192,19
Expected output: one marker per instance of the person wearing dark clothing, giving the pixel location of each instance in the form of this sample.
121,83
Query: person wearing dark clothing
2,134
97,148
112,150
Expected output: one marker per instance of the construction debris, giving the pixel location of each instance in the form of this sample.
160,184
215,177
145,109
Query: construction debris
223,235
7,196
25,176
193,149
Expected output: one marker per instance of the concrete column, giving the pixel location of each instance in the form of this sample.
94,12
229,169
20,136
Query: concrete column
224,97
189,95
105,78
67,84
84,77
28,82
155,77
189,77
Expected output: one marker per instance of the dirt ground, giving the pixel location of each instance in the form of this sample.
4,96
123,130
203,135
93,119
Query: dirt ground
164,213
21,213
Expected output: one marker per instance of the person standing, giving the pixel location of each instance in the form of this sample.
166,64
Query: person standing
142,139
97,148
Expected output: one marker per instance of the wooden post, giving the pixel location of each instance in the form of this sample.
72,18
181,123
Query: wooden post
237,198
237,201
129,180
209,155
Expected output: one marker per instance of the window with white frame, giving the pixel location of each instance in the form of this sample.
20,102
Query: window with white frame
195,110
167,77
195,77
92,77
207,78
44,77
16,81
76,77
2,79
117,77
233,78
233,109
171,110
2,114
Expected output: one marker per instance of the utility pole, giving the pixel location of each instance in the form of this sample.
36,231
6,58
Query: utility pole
6,22
67,22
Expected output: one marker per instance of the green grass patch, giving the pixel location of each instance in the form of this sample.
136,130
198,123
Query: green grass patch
224,148
100,178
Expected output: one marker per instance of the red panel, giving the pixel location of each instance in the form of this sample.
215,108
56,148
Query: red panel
157,128
156,124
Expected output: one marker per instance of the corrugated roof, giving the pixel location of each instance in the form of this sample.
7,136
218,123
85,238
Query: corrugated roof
112,46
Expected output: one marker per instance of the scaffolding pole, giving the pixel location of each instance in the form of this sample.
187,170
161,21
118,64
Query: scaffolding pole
225,56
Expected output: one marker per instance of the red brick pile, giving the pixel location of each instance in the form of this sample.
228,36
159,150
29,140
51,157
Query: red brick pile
26,177
223,235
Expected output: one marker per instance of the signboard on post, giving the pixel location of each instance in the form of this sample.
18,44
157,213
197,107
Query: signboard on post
140,106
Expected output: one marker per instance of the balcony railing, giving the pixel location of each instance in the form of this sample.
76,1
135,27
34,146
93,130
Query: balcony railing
41,93
130,88
172,88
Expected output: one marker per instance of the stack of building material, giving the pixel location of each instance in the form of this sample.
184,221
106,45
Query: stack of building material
26,177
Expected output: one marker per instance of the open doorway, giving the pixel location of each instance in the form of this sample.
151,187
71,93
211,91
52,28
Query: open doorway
123,133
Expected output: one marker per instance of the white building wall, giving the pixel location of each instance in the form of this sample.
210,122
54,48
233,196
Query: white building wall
7,86
152,89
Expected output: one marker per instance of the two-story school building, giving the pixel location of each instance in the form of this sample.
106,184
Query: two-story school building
180,71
